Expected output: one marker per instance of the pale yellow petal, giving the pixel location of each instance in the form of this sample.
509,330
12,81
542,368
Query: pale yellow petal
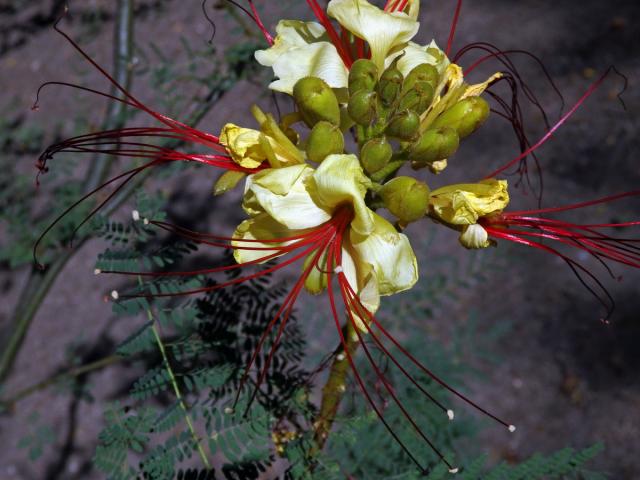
262,227
363,282
291,34
340,180
314,60
414,55
383,31
465,203
390,255
282,193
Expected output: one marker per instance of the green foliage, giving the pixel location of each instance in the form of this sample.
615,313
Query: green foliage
41,435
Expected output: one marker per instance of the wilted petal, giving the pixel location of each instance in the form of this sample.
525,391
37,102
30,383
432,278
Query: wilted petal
465,203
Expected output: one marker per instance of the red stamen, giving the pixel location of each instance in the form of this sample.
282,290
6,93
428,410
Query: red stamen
331,31
555,127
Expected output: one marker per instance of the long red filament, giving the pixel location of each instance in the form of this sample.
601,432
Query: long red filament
454,24
555,127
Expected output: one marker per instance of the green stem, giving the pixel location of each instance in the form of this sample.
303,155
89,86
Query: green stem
334,388
176,389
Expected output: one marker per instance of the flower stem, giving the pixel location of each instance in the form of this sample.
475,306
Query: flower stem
334,388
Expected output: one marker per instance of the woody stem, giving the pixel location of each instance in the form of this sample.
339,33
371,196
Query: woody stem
334,388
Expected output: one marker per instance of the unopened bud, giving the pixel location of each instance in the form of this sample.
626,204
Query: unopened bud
375,154
465,116
433,145
403,125
406,198
422,73
418,98
363,107
324,139
362,76
316,101
390,85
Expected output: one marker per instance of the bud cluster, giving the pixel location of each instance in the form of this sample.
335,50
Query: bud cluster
394,125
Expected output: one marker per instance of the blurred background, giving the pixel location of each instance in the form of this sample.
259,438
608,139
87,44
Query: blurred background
530,332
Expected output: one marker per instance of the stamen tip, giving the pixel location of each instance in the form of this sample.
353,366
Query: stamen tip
512,428
146,221
135,214
228,410
450,414
338,269
454,470
115,295
97,271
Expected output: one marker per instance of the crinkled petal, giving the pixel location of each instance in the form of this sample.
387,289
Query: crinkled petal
338,180
383,31
282,193
465,203
243,144
390,255
262,227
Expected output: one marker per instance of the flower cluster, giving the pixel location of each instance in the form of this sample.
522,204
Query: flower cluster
321,181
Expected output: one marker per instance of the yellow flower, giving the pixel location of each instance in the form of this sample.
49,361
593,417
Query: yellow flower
465,203
250,148
287,202
462,205
304,49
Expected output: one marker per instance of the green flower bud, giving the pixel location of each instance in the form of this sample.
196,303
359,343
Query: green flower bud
418,98
465,116
403,125
375,154
316,101
433,145
390,85
324,140
362,76
422,73
363,107
406,198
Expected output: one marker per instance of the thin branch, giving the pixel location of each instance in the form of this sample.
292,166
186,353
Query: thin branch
176,389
